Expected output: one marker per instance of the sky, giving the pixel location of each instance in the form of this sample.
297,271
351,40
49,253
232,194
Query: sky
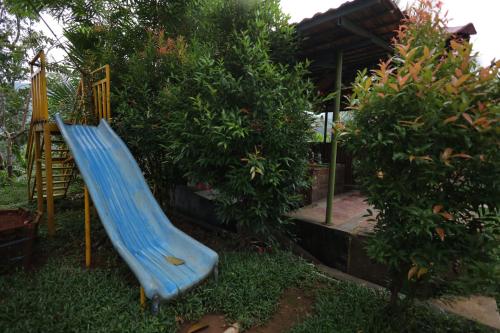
483,13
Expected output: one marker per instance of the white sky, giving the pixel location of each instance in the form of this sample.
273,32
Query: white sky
485,14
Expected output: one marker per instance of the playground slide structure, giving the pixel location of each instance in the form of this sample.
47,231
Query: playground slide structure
166,261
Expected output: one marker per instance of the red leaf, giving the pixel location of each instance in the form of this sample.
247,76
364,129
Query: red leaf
445,155
440,232
462,155
402,80
450,119
412,272
437,208
447,216
468,118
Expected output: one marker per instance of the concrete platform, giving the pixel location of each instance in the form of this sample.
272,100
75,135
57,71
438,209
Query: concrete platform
348,213
341,244
341,247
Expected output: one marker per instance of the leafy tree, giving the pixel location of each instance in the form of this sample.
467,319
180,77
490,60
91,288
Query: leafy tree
17,40
425,134
244,130
167,59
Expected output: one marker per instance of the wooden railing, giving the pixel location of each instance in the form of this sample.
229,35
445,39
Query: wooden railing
101,93
40,113
39,88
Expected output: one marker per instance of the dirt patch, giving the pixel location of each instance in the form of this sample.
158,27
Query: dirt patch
295,306
216,324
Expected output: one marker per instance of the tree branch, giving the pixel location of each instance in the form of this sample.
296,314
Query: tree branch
18,32
25,111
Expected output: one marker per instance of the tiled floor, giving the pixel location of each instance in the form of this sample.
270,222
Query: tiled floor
348,213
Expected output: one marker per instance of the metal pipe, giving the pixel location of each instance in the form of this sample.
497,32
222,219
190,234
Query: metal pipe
155,305
87,227
142,298
325,131
333,159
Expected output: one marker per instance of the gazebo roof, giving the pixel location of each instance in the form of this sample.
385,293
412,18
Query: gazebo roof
363,29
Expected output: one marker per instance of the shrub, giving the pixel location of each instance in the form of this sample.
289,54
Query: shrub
425,133
244,130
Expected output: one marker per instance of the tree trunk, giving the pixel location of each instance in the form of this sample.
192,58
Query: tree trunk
395,288
10,170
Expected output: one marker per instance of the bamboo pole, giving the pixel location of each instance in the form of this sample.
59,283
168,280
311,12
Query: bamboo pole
333,159
87,227
48,179
38,173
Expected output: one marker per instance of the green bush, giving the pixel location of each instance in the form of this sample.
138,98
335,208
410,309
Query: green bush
425,133
218,99
244,130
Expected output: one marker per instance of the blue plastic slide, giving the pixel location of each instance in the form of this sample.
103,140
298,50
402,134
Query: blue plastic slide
165,260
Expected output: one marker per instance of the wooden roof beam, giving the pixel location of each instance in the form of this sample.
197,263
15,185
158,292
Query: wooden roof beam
345,9
353,28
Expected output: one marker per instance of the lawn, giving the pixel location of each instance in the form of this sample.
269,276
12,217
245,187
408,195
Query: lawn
60,295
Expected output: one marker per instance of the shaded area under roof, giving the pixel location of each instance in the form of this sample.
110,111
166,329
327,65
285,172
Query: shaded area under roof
363,29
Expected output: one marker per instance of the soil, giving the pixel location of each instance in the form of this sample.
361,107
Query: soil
216,324
294,307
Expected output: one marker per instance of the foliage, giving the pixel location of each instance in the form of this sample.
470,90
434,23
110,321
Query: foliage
166,59
61,93
347,308
17,41
243,129
425,133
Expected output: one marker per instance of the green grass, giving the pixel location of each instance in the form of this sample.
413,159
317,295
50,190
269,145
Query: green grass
348,308
13,194
62,296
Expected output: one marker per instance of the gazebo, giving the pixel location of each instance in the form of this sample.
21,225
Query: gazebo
344,40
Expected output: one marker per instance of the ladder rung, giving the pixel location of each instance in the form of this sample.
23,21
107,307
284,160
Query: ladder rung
59,194
54,176
62,168
54,189
56,182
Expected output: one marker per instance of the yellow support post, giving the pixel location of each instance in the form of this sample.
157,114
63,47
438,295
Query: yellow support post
48,179
38,173
333,158
142,298
108,94
87,227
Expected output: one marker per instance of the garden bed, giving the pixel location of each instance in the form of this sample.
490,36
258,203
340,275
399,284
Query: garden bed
18,230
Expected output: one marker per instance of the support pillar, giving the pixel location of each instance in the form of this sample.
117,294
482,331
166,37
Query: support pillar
87,227
142,298
47,137
38,173
333,159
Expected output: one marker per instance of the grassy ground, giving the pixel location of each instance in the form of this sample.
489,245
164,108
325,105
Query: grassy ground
347,308
60,295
